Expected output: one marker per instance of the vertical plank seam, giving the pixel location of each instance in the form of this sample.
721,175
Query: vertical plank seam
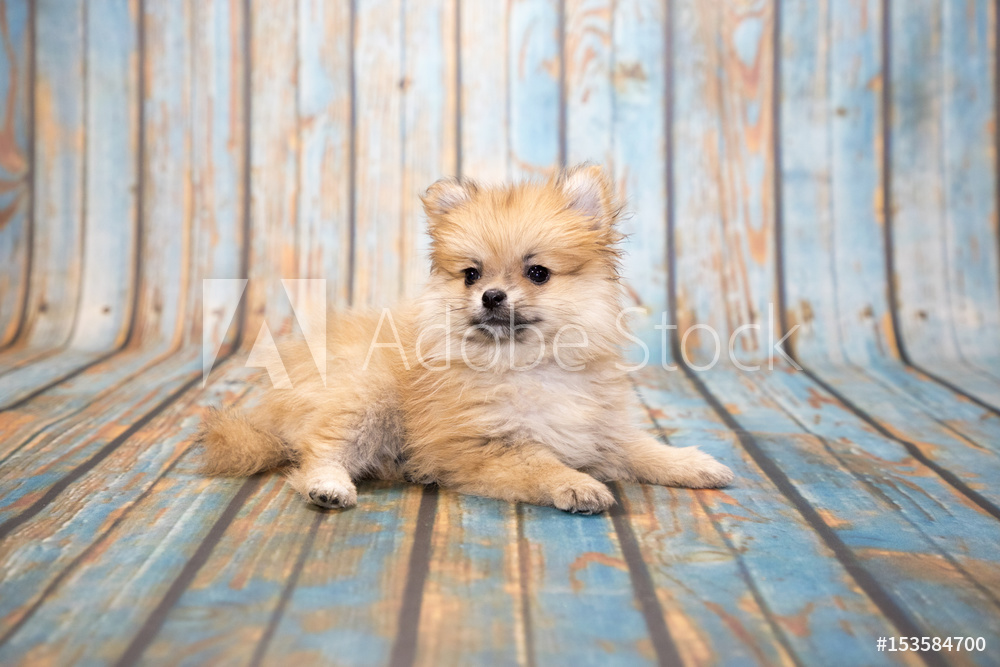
352,160
403,85
404,648
668,153
779,181
561,38
888,217
612,65
132,335
458,87
524,580
509,152
642,585
893,612
85,145
297,189
246,85
286,592
779,632
31,73
154,622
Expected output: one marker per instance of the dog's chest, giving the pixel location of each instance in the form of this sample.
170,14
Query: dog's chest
567,411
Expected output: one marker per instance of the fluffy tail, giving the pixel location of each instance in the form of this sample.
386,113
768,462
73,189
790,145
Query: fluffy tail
235,446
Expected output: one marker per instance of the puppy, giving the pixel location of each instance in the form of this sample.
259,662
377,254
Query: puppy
503,379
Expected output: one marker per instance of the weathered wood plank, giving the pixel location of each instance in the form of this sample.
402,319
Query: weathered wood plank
640,155
218,134
108,202
274,154
832,198
111,168
723,174
166,155
944,186
92,514
430,122
82,396
916,537
15,163
580,601
534,71
224,613
56,264
324,117
472,606
588,58
31,468
379,152
346,601
484,90
722,561
949,430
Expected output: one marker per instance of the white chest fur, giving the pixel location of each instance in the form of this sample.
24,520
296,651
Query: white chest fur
568,411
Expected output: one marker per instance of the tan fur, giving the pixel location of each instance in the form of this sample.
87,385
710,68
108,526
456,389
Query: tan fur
510,419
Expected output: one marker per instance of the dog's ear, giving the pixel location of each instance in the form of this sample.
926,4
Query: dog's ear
445,195
590,191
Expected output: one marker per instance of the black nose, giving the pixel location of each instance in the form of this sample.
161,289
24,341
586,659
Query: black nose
493,298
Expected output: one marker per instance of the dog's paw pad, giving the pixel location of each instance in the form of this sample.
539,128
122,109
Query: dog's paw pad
333,497
583,497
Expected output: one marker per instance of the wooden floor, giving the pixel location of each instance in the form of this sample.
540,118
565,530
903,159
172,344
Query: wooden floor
823,169
863,508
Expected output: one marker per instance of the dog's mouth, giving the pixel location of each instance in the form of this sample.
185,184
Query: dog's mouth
500,325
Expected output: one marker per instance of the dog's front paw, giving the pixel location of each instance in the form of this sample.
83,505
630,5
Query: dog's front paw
583,496
333,495
698,470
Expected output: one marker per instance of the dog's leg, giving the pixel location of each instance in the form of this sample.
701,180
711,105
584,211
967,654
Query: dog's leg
321,476
526,473
646,459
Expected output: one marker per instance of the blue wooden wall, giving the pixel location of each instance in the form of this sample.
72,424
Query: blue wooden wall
822,167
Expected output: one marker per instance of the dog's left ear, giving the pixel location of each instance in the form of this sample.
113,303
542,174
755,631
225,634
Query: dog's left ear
590,191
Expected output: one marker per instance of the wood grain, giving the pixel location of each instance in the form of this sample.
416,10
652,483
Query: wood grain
56,259
324,117
707,549
430,123
944,184
379,153
723,174
15,163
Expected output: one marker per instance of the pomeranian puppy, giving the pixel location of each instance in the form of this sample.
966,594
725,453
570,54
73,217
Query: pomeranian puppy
504,379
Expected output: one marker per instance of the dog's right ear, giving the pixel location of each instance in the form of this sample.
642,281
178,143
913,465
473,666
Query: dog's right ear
446,195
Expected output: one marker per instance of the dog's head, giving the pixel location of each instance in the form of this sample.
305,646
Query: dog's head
529,265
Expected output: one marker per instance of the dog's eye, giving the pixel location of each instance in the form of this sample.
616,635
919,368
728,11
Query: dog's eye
538,274
471,275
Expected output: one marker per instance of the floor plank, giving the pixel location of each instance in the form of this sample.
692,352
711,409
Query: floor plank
913,537
117,498
744,572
